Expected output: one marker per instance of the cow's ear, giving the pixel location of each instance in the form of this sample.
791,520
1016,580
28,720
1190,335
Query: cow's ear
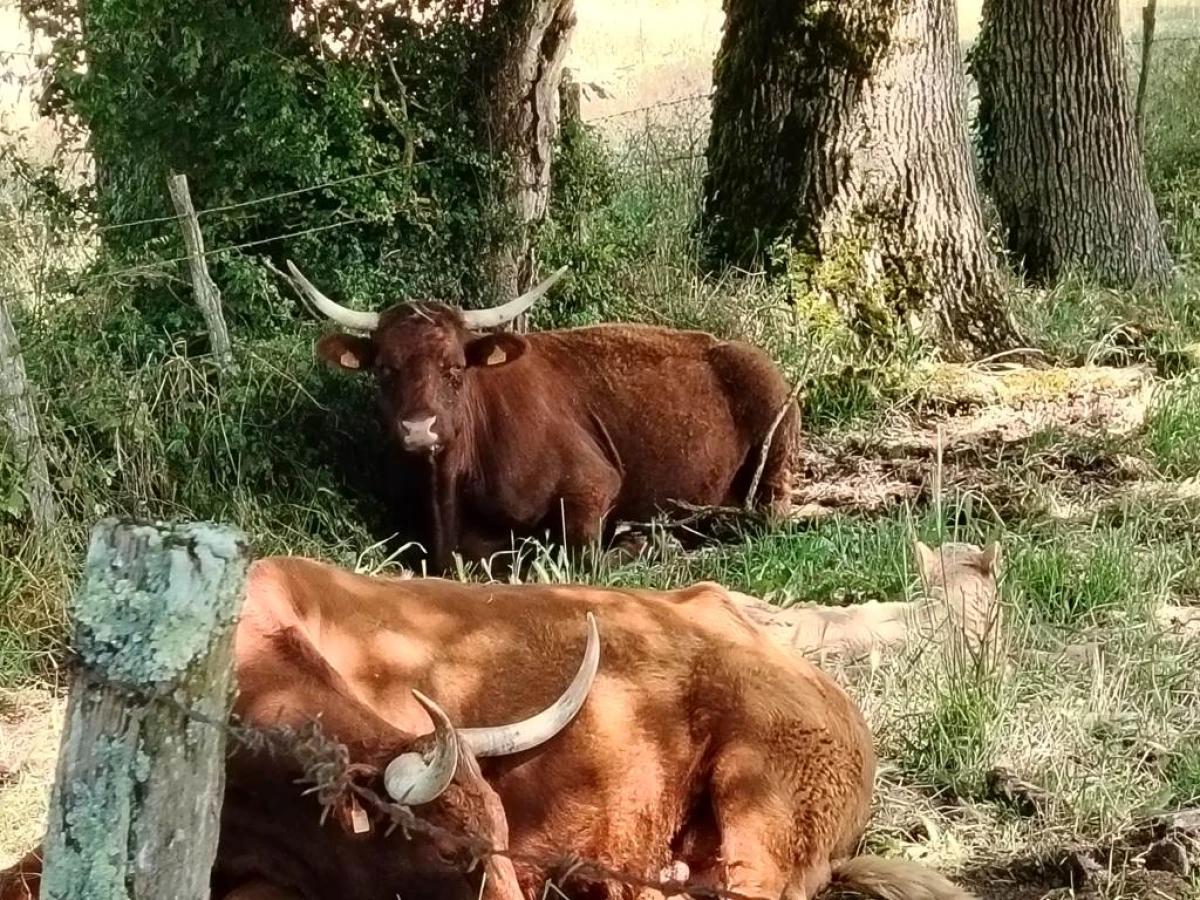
346,351
928,564
495,349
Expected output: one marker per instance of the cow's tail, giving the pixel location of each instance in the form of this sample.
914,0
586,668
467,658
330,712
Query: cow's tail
895,879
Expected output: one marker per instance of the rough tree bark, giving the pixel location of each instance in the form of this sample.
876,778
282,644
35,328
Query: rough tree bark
519,116
1060,152
20,414
136,802
840,127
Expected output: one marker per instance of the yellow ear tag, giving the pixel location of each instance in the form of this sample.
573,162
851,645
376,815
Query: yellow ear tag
496,357
349,360
358,817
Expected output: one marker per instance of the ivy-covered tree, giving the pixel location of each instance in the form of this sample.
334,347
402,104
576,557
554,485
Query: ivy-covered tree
384,106
1060,151
838,129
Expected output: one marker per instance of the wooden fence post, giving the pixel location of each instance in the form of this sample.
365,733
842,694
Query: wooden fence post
1149,17
207,296
569,98
21,415
135,808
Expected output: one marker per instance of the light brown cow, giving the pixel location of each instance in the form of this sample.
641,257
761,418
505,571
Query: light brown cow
960,609
700,742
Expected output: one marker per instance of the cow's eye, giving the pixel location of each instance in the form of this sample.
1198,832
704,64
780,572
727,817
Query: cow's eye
447,856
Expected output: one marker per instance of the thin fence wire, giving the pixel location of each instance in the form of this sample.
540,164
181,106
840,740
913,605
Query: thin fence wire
695,98
144,268
664,104
91,231
255,201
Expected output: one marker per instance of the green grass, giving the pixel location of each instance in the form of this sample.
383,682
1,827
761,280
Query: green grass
1173,429
1184,774
1078,577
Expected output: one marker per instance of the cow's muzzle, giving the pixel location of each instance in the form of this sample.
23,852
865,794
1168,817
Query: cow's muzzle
418,434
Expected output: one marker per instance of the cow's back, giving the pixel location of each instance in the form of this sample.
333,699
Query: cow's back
681,409
497,653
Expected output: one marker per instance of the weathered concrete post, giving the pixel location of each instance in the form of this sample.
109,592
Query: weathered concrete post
135,807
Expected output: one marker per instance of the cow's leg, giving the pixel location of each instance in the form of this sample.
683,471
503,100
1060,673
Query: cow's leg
444,517
584,503
780,823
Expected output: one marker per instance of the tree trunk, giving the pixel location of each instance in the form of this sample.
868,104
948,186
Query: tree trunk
20,413
1060,153
519,118
840,129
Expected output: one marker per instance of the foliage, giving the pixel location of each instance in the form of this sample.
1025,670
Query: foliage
137,423
250,107
1173,428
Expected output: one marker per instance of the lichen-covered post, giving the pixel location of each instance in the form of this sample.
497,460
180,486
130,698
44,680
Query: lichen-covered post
136,802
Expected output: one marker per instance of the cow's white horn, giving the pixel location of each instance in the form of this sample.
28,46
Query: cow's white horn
350,318
536,730
499,315
414,778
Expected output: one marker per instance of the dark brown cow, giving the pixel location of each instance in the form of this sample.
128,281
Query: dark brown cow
700,743
565,430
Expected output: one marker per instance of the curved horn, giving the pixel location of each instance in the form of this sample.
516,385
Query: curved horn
498,315
410,778
350,318
536,730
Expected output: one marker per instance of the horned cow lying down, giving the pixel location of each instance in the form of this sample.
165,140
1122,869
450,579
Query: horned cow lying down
686,735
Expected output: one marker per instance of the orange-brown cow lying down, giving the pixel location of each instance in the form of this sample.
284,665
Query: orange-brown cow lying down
700,741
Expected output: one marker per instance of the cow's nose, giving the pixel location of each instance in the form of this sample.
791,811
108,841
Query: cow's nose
418,434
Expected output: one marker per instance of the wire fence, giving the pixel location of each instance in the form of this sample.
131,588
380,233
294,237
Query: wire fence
648,113
144,268
1133,41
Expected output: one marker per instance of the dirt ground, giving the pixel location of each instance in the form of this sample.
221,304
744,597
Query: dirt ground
30,722
975,421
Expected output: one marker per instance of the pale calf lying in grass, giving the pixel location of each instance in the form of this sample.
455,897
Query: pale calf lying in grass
960,607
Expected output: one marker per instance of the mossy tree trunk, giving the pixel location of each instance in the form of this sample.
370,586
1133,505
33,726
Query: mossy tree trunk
521,72
840,129
1060,150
